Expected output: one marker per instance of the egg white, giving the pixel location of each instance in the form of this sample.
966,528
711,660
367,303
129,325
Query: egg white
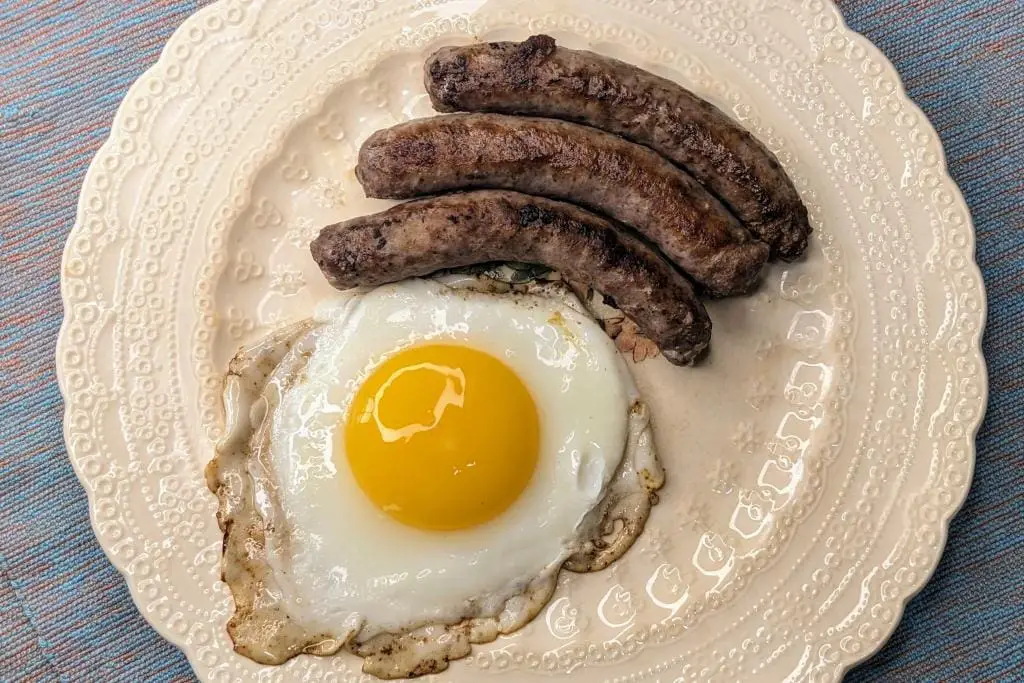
343,565
314,567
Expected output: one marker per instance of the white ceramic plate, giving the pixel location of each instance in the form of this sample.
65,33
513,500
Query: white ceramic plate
828,440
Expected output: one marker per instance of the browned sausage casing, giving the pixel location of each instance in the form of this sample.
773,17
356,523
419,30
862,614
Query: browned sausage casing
451,231
537,78
562,160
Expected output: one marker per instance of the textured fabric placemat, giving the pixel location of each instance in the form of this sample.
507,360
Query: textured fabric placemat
65,613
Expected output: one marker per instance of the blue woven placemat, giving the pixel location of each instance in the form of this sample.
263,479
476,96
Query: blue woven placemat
65,613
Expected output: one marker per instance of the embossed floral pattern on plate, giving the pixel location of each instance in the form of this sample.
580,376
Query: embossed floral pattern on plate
813,461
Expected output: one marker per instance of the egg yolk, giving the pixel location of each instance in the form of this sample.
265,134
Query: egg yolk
442,437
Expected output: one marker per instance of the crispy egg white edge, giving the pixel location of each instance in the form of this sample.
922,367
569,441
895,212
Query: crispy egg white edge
638,472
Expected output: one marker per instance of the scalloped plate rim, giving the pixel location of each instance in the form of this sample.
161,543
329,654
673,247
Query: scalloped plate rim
955,505
62,340
976,346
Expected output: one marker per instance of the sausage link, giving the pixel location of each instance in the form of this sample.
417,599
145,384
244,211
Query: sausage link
456,230
537,78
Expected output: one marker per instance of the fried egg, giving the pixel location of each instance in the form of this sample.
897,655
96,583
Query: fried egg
405,474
